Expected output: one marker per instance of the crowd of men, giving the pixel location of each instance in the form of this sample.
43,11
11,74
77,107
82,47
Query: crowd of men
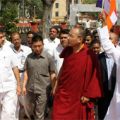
71,75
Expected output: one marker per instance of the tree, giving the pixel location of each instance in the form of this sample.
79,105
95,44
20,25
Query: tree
47,5
89,1
34,7
8,16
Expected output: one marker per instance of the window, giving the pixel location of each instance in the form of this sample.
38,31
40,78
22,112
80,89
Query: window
57,5
56,14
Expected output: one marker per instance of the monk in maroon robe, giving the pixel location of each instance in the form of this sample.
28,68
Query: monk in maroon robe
79,81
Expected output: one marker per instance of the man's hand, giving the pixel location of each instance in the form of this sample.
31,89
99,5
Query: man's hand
84,99
102,18
18,90
24,91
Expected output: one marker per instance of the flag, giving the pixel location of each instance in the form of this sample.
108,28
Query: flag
99,3
107,6
110,10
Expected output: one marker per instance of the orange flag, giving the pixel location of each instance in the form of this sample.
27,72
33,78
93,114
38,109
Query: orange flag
110,10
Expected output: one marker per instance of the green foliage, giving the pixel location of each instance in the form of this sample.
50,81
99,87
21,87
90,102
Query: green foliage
38,7
9,14
89,1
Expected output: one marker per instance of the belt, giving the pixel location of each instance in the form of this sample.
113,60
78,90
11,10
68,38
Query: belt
21,71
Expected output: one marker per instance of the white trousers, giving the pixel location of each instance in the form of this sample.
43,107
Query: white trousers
8,105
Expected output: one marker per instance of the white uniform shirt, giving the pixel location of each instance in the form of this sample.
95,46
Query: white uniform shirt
21,55
110,64
7,61
7,43
58,61
114,108
49,45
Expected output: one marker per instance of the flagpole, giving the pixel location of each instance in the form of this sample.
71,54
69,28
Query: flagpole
102,5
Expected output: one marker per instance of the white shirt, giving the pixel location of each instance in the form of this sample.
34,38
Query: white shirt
21,55
114,108
110,63
56,57
49,45
7,61
7,43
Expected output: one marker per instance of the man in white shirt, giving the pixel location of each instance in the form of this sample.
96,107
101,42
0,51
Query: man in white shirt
9,82
5,41
108,78
64,35
51,42
21,52
112,51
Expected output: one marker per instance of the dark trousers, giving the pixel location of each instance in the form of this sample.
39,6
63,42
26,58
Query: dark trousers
103,104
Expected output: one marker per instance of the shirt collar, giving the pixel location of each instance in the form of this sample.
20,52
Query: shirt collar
20,50
54,41
42,55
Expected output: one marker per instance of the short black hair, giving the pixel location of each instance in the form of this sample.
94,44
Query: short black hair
15,33
65,31
30,32
54,27
96,41
37,38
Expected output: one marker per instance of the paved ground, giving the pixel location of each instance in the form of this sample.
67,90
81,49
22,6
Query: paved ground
48,118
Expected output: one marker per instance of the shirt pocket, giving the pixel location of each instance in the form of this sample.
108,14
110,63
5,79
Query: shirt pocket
6,62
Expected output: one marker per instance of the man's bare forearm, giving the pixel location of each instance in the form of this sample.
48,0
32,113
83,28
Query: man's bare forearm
53,79
25,79
17,75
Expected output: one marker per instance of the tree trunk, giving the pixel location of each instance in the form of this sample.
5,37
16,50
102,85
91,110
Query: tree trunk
47,6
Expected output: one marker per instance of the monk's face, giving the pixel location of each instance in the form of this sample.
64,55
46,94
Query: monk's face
74,38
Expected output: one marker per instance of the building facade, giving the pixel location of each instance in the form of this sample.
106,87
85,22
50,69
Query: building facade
59,11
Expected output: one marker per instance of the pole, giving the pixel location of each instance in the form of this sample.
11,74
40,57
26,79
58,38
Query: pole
23,10
34,12
18,11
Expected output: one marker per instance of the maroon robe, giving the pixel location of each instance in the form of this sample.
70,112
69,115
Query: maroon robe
79,77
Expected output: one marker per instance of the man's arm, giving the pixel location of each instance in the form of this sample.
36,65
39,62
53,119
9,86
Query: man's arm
17,76
53,79
24,83
107,45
